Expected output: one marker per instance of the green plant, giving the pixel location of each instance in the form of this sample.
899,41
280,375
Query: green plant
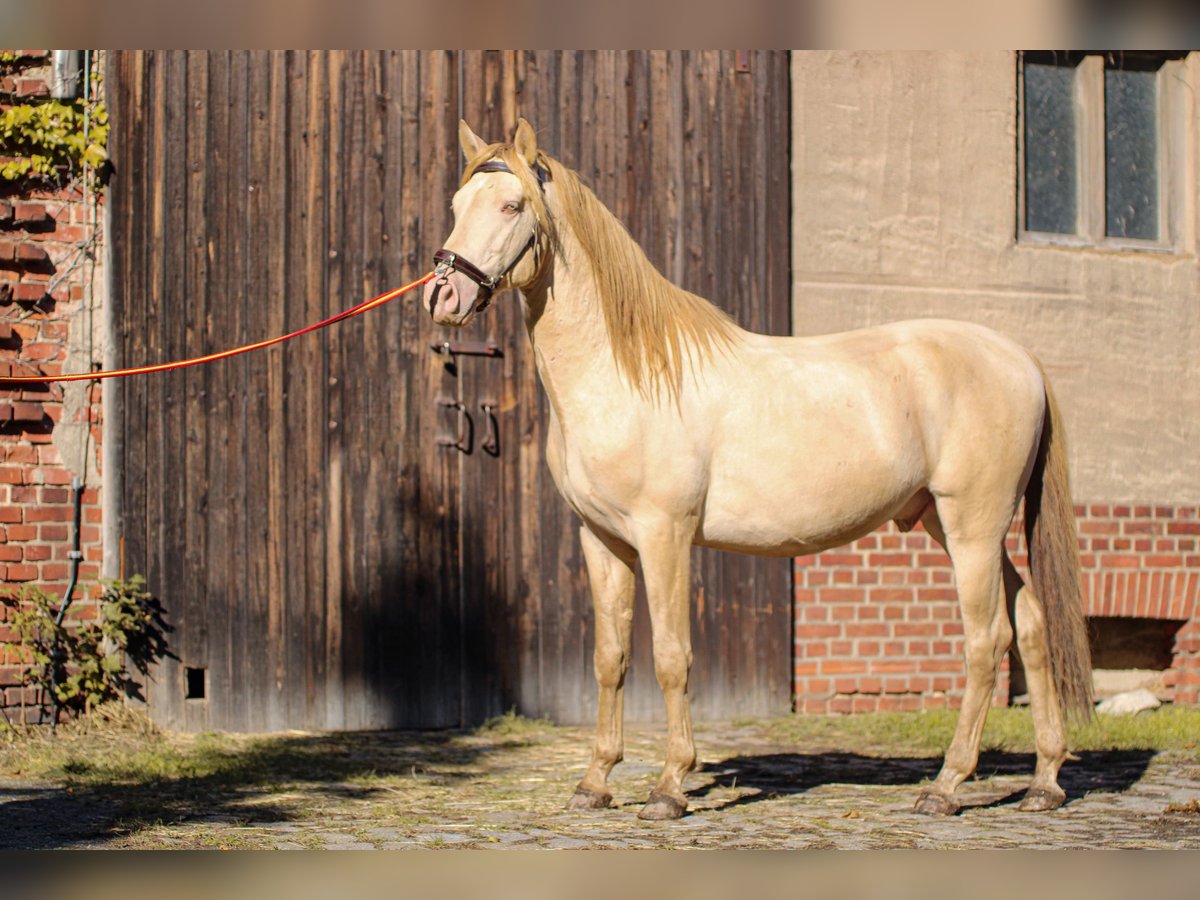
513,724
79,666
51,139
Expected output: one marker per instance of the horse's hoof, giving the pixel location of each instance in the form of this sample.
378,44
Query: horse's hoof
661,807
585,799
931,803
1040,799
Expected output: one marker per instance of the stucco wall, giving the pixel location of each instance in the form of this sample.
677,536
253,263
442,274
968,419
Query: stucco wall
905,205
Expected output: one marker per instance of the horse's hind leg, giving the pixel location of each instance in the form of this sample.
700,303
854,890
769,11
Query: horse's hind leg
1025,609
976,554
611,573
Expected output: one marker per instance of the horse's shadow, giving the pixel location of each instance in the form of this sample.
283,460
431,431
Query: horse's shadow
781,774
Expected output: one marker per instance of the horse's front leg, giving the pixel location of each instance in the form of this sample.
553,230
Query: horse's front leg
611,573
666,563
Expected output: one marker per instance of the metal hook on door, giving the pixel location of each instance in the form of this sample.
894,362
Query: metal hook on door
466,428
491,441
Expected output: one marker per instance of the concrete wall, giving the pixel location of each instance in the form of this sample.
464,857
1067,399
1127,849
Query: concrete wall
905,205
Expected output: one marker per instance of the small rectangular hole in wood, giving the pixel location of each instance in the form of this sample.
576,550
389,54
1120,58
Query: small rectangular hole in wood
193,683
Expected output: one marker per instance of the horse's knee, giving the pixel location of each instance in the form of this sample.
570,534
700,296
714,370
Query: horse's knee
671,664
610,664
984,652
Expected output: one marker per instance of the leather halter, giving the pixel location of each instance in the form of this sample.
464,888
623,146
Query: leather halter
445,261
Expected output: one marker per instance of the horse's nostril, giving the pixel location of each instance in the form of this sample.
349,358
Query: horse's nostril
433,294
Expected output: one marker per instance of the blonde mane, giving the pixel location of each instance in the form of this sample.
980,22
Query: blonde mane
653,326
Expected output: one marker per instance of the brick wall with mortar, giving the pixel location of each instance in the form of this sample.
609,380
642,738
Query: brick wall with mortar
48,435
877,625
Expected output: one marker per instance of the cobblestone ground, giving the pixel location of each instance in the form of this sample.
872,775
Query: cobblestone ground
455,790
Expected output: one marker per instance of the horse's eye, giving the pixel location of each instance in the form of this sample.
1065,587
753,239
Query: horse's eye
510,207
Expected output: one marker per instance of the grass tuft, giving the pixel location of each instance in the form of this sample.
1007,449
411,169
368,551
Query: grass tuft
1171,728
514,725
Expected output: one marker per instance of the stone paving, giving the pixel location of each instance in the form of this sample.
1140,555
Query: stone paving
406,791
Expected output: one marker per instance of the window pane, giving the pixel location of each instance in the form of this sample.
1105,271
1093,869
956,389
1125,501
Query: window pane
1131,152
1050,158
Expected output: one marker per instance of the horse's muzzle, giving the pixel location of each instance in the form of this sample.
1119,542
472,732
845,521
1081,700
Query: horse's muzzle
452,298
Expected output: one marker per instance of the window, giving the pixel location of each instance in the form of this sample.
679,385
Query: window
1095,136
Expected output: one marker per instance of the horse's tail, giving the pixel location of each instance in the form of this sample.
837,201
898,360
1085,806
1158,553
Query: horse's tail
1050,533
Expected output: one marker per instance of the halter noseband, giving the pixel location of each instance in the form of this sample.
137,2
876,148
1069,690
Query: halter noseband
445,261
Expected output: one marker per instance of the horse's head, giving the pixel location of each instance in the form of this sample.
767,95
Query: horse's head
499,222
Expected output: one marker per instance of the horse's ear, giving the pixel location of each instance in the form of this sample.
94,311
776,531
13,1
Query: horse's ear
525,142
471,143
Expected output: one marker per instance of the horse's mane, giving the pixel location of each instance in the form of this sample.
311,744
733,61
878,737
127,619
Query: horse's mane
653,326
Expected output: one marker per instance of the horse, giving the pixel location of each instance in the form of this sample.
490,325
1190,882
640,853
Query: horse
656,440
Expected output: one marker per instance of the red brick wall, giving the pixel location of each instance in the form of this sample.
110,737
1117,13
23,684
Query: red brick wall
877,625
47,257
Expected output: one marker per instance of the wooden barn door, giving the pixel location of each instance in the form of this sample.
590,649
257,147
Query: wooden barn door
327,556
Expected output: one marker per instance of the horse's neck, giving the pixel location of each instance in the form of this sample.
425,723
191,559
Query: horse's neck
566,328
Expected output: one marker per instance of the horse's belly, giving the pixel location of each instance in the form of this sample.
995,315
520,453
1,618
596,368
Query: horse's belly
799,516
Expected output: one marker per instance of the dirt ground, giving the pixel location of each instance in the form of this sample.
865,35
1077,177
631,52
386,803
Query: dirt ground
506,789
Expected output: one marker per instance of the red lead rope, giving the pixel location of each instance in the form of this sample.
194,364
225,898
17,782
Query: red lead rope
350,313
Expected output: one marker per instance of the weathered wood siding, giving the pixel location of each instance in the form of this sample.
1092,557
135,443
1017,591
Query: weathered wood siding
321,558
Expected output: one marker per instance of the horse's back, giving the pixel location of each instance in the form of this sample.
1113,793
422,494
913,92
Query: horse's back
933,369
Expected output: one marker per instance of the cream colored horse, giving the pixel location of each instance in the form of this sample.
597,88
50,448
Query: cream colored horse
656,440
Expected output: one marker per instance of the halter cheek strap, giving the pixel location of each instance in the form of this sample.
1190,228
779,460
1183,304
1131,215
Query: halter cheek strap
445,261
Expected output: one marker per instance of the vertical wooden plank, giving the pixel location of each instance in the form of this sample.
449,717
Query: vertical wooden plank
194,647
442,656
336,161
299,687
148,553
318,469
165,520
409,404
304,417
436,656
349,400
261,286
135,109
393,567
370,467
135,535
277,192
242,635
214,411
